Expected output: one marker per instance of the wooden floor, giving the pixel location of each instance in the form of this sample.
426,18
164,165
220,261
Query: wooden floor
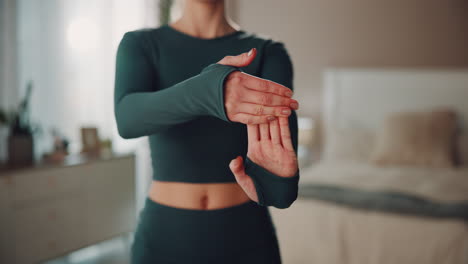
114,251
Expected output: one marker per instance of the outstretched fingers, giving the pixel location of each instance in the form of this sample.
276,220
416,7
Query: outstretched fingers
264,132
253,119
253,134
266,86
275,132
267,99
258,109
285,133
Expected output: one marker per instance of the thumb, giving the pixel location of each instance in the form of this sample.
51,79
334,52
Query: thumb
237,168
245,181
240,60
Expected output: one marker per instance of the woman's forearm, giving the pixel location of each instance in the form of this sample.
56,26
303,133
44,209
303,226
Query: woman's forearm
143,113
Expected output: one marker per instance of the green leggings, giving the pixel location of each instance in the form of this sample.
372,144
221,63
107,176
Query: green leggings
239,234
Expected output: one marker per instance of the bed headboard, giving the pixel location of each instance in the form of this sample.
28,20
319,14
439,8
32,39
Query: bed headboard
365,96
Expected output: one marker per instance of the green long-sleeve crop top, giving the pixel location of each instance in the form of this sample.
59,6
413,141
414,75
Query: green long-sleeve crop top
168,87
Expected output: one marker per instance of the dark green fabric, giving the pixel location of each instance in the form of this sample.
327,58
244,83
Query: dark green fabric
168,87
272,190
239,234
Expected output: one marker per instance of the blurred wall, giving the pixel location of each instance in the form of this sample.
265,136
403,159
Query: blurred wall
67,48
8,74
358,33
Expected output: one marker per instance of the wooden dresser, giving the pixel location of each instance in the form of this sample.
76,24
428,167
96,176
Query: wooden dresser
48,211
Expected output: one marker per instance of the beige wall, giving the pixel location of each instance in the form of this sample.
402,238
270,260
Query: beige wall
8,56
358,33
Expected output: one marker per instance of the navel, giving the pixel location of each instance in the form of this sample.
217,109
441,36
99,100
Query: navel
204,202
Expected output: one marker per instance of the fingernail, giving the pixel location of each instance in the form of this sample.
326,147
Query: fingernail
250,52
271,118
234,162
286,111
294,105
289,93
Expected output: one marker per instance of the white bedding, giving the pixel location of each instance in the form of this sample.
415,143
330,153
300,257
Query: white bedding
315,231
447,185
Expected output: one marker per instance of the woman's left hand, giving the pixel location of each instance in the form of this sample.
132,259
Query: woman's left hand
269,146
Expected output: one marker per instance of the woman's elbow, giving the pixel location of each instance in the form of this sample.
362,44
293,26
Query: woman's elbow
286,201
125,128
129,127
125,131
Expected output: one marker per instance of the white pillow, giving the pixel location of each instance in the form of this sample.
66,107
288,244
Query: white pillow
423,139
350,144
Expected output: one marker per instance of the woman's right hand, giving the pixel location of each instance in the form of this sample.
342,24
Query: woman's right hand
252,100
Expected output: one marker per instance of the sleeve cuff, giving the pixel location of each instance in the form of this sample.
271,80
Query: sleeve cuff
222,71
272,189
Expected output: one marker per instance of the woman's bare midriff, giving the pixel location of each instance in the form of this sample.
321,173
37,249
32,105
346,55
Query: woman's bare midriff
198,196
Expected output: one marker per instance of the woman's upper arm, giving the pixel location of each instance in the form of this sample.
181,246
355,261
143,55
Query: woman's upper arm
134,72
134,75
277,66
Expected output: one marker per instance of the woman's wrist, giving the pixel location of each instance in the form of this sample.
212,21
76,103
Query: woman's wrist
272,190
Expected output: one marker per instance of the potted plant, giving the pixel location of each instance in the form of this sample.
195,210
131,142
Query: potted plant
20,140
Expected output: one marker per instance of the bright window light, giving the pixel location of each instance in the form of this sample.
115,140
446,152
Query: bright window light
83,35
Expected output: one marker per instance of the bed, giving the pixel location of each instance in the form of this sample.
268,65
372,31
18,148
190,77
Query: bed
352,211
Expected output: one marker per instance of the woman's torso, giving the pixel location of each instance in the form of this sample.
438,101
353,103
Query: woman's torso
190,160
